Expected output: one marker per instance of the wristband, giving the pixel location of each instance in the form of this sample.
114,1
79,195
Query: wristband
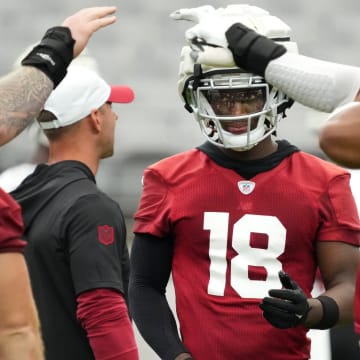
330,313
252,51
53,54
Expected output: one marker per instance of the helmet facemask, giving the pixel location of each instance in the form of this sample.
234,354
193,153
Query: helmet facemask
235,110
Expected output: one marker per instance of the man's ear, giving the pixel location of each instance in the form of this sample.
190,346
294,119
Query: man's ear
95,120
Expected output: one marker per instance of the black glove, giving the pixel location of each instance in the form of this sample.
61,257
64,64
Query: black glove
54,53
285,308
251,51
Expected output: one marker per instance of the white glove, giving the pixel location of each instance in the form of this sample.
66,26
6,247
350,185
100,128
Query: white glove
213,23
213,57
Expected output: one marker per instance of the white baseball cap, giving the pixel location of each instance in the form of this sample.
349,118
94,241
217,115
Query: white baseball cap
81,91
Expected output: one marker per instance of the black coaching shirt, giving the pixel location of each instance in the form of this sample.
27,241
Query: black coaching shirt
76,241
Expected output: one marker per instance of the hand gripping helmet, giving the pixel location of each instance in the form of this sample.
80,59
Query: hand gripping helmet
234,109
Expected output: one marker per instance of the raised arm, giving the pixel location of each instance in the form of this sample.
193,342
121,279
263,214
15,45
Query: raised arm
225,37
24,91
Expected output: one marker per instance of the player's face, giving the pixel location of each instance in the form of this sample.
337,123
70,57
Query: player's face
237,102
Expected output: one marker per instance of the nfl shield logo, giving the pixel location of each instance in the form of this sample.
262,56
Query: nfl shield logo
105,234
246,187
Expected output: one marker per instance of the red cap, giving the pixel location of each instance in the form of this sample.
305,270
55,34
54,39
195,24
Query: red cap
121,94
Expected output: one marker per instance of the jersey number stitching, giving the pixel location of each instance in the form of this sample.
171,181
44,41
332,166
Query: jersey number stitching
218,224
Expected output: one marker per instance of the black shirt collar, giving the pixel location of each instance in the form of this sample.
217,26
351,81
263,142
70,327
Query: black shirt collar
249,168
62,165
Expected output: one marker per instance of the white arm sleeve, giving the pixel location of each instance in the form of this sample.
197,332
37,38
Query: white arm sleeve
314,83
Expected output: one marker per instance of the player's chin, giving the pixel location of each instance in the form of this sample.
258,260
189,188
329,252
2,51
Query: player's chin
107,153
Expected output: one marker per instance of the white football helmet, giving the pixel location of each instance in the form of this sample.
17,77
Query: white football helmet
234,109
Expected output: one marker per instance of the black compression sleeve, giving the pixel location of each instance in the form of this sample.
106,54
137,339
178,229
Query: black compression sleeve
150,264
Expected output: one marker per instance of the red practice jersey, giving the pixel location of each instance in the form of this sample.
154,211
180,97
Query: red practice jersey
11,224
231,238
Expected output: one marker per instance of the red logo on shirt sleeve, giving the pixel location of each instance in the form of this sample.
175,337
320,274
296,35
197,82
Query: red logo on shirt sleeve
106,234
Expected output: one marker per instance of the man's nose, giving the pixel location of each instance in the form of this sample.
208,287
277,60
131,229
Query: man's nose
238,108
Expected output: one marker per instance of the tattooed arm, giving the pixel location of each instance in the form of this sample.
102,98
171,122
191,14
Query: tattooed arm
22,95
24,91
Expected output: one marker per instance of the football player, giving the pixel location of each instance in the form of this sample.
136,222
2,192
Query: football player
242,222
322,85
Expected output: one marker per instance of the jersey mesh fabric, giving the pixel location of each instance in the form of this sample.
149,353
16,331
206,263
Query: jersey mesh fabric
230,245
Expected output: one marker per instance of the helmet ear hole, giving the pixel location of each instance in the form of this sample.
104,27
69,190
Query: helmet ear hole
187,95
